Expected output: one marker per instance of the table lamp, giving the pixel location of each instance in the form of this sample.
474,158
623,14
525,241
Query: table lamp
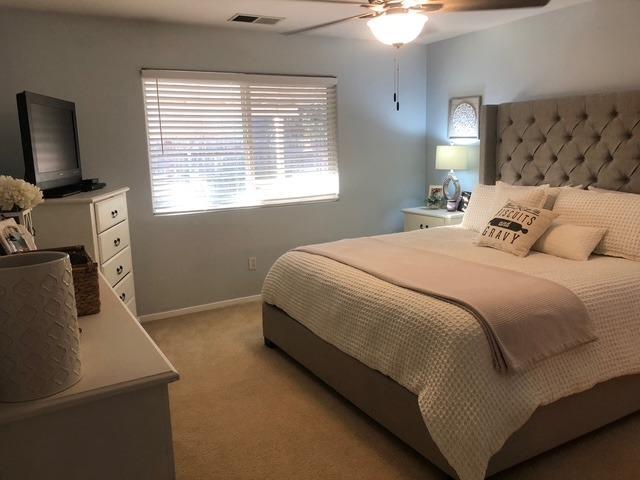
449,157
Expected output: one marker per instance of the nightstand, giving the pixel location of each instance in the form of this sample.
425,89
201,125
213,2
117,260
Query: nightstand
421,217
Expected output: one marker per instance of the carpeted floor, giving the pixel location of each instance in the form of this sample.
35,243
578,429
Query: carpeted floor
243,411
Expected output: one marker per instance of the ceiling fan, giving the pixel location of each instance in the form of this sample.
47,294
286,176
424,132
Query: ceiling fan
397,22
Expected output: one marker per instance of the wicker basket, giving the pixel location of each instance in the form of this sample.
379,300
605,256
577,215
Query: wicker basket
85,279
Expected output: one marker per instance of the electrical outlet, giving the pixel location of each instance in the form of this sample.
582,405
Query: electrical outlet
252,264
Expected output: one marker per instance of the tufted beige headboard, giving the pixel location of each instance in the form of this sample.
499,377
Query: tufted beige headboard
585,140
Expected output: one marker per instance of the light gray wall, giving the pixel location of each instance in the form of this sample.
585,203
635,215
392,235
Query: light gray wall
593,47
187,260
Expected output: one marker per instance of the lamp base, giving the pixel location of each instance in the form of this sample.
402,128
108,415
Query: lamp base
452,199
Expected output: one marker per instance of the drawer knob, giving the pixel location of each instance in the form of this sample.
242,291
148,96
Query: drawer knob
119,270
114,213
123,295
116,242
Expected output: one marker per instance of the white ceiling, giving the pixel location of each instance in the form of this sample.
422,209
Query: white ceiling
297,14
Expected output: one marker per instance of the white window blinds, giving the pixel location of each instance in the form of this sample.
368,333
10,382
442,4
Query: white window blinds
221,140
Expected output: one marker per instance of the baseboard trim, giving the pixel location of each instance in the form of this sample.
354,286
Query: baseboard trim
151,317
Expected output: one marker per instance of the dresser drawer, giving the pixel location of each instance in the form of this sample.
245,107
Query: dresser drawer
117,267
419,222
113,241
125,289
111,211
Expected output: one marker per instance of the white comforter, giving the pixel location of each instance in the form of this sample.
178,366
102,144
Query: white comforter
439,351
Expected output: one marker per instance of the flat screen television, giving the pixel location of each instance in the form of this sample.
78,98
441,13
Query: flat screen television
49,141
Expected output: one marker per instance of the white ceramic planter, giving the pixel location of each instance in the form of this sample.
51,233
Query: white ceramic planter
39,338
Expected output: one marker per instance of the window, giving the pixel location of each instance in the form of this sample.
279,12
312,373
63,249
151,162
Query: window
226,140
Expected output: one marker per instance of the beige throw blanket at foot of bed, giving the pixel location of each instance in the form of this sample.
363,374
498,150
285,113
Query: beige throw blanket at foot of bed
526,319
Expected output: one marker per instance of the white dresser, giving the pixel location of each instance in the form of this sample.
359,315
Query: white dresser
114,424
99,221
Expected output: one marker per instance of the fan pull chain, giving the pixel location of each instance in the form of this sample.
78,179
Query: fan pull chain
396,78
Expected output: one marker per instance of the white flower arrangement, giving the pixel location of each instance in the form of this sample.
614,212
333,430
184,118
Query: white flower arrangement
16,194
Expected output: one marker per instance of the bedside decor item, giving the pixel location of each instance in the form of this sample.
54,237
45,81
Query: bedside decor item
515,228
449,157
85,279
465,197
435,197
464,120
15,238
39,333
17,199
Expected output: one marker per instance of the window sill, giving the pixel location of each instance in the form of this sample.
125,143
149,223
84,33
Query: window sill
279,203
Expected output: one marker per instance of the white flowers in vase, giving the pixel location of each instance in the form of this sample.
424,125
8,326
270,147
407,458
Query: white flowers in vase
16,194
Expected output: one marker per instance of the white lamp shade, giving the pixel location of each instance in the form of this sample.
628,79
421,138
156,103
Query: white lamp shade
450,157
397,28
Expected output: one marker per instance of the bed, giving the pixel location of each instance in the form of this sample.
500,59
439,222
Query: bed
418,365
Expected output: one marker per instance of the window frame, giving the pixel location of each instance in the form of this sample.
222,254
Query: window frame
259,79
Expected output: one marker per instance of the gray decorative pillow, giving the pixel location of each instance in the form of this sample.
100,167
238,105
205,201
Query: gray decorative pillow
515,228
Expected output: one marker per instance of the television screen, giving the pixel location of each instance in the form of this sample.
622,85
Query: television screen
49,141
53,138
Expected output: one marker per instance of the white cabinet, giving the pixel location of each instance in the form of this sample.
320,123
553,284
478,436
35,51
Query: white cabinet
113,424
99,221
419,218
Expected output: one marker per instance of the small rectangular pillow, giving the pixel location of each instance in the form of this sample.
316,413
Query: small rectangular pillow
574,242
487,199
515,228
618,213
532,196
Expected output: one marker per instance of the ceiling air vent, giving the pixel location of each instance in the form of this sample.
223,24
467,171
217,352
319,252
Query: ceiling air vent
246,18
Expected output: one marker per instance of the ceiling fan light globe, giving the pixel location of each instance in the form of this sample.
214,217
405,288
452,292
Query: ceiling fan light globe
399,28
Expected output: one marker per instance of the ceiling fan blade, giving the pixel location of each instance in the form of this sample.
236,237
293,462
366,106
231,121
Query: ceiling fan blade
429,7
344,2
322,25
471,5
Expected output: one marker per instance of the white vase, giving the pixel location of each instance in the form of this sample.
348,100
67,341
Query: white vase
39,337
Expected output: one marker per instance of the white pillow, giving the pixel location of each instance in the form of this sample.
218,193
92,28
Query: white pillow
565,240
535,196
553,192
480,208
488,199
618,213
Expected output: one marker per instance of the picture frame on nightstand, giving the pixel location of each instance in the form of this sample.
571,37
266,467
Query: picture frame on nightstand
465,197
15,238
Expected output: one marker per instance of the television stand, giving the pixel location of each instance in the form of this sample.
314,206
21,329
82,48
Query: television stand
83,186
60,192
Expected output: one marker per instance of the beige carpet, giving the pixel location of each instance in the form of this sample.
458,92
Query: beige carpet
243,411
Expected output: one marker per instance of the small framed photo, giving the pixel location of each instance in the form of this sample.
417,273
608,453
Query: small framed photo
436,191
435,196
15,238
464,201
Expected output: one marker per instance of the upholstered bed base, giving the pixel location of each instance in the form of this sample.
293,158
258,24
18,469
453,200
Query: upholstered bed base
396,408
